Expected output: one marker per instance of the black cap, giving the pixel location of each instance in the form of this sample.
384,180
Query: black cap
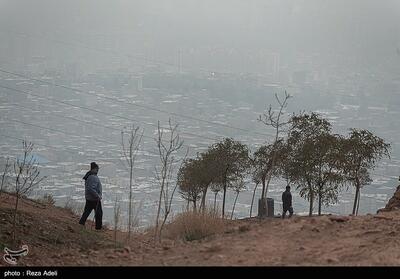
93,165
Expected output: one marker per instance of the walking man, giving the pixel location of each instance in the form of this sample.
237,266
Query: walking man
93,195
287,202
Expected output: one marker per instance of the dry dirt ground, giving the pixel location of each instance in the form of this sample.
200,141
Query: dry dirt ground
55,239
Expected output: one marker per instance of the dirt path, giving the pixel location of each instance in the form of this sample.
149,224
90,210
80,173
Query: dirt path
55,238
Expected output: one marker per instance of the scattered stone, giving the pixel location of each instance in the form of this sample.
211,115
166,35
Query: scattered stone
229,231
332,260
214,248
383,217
339,219
244,228
315,230
372,231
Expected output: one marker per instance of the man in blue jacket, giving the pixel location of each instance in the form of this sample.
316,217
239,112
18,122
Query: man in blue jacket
93,195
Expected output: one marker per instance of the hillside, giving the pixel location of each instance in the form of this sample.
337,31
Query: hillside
55,238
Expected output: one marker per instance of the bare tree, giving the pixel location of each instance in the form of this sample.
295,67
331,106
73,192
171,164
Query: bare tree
4,177
274,120
167,149
135,220
117,217
27,177
129,151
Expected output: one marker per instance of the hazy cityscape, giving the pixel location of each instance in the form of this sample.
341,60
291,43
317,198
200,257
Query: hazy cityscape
73,80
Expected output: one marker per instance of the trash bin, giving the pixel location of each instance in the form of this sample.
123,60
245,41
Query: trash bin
270,207
266,207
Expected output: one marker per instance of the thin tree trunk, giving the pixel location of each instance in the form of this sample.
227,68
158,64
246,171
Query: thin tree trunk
263,187
319,201
311,203
215,200
234,204
203,200
15,217
223,202
355,199
158,211
163,177
358,201
252,199
130,202
267,185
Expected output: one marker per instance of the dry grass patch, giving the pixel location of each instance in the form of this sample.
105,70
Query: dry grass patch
194,225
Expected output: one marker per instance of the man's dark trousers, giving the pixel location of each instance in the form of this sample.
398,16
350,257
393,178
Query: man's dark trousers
285,209
98,213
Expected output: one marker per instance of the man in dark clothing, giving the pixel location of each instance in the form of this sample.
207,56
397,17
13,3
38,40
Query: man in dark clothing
93,195
287,202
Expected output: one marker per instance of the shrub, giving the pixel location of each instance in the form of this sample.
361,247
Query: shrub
47,199
195,225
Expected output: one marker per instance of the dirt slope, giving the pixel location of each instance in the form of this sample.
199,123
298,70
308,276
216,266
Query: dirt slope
55,238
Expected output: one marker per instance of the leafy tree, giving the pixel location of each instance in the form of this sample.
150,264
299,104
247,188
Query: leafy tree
306,140
196,177
262,163
189,181
208,171
266,163
362,150
231,161
329,175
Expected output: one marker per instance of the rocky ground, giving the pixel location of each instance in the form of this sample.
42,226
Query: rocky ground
54,238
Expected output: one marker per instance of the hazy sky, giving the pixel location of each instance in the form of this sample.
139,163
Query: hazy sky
369,29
